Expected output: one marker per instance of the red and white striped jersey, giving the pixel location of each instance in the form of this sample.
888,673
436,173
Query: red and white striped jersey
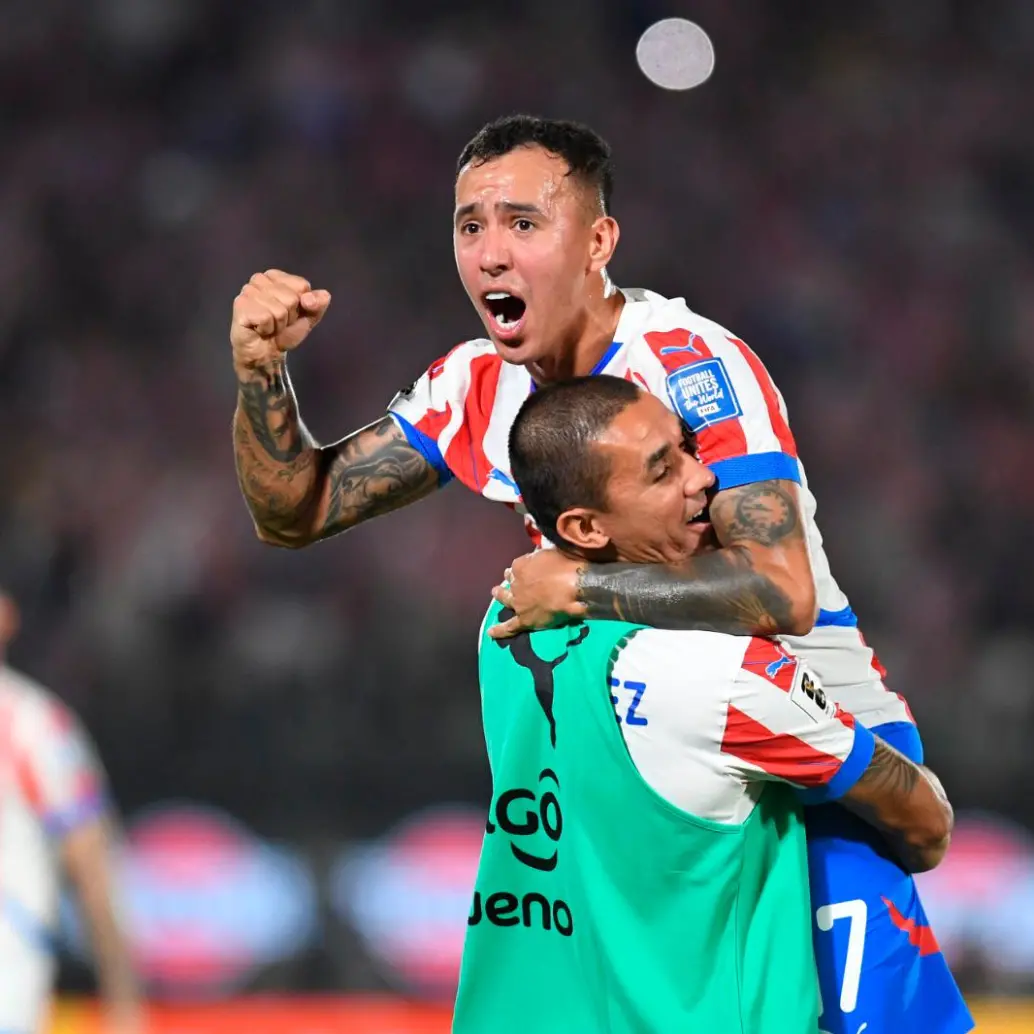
459,413
709,719
50,783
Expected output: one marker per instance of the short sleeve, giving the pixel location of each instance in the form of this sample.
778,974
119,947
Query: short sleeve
58,770
781,725
423,411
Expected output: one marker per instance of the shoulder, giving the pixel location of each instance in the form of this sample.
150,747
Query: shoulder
454,372
669,332
36,712
460,358
25,694
680,657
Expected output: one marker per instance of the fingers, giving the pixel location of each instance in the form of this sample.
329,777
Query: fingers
502,594
270,302
507,629
313,305
296,284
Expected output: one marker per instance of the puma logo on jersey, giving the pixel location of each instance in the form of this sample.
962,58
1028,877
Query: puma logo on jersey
541,670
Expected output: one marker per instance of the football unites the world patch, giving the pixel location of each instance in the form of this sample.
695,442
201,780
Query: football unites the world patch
702,394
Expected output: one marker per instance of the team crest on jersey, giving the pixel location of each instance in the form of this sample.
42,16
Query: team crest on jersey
702,394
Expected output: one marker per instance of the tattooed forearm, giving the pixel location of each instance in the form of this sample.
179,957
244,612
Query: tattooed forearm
373,472
275,492
272,413
764,512
299,492
889,773
908,808
275,457
714,592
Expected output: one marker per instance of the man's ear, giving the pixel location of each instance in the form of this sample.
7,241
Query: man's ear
581,528
605,234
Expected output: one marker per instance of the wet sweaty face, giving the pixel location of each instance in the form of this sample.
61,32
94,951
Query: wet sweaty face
522,234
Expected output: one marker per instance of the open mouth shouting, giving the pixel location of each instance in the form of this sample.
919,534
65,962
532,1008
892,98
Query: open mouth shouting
506,313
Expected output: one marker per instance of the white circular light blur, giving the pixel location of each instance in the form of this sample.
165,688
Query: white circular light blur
675,54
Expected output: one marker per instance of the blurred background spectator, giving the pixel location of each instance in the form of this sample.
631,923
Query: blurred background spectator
852,192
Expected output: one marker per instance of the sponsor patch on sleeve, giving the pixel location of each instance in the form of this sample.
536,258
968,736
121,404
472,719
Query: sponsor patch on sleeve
807,693
702,394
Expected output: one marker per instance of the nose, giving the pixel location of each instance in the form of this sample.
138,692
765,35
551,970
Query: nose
494,257
699,478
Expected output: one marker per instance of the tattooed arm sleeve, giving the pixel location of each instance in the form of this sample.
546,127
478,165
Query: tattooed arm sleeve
758,583
299,492
906,804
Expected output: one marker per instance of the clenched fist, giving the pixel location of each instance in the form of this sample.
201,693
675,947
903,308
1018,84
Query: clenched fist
272,315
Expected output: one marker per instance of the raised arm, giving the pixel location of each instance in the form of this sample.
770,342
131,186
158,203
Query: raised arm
760,582
298,491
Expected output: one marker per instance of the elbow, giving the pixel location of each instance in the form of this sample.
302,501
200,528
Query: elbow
790,588
929,855
282,539
930,840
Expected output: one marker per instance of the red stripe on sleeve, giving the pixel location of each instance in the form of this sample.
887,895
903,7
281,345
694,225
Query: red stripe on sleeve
466,454
437,368
778,754
779,424
433,422
28,783
724,441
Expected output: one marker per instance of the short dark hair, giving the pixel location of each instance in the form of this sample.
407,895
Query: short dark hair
587,154
552,454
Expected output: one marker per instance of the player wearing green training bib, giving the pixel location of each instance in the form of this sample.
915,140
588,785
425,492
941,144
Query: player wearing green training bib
599,905
644,865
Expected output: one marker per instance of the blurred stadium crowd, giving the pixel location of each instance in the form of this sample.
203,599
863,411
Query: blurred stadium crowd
852,193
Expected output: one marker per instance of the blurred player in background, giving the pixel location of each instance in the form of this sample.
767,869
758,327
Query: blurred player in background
669,894
54,818
533,236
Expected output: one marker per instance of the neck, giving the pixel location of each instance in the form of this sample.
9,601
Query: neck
585,342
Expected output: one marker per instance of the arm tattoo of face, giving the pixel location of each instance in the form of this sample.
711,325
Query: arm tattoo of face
713,592
889,772
764,512
372,472
273,416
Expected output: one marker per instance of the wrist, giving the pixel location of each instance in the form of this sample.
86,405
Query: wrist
267,375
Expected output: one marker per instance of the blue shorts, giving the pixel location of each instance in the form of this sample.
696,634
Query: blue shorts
880,969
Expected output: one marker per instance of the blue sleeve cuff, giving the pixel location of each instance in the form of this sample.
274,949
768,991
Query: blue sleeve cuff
903,736
61,823
760,466
426,446
849,772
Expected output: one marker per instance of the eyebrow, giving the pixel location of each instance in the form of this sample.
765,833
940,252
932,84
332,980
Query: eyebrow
514,207
657,455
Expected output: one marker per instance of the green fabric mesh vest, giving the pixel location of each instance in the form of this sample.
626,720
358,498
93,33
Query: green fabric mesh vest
599,906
